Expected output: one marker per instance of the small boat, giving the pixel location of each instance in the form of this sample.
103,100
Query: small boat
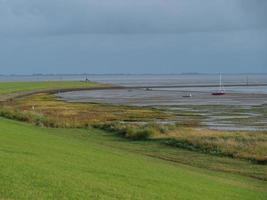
188,95
86,79
218,93
221,89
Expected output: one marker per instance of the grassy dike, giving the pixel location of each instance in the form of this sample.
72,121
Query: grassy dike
23,86
46,163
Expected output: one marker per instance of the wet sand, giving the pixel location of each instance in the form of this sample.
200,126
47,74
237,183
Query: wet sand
158,97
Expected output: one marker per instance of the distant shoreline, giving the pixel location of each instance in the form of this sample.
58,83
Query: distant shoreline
128,74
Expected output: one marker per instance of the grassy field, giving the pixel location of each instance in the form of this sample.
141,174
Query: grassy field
12,87
46,163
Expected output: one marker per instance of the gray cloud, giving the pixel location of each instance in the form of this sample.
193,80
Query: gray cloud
235,51
129,16
133,36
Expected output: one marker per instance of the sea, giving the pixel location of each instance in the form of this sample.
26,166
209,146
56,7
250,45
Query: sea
159,80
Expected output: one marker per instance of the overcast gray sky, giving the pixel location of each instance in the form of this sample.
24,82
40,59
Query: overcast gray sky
133,36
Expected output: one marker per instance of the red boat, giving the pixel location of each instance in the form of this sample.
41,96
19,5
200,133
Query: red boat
218,93
221,90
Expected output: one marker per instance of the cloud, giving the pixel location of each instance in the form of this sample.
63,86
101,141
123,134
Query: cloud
132,36
226,52
27,17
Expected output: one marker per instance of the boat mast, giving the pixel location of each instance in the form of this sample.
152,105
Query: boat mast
220,81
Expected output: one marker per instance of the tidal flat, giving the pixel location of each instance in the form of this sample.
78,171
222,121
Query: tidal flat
233,111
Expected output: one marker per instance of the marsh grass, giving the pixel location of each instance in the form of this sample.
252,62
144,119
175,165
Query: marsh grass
77,115
130,122
236,144
26,116
136,131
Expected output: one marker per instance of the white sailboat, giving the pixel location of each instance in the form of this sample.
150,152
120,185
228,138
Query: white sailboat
221,89
188,95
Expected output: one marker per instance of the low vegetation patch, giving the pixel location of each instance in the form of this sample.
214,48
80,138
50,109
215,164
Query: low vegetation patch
236,144
136,131
26,116
77,115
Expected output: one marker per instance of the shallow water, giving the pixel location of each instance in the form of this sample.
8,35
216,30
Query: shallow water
246,90
142,97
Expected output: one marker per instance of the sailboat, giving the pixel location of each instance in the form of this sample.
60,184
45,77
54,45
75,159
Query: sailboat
187,95
221,89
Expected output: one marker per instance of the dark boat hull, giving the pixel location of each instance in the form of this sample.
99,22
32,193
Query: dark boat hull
218,93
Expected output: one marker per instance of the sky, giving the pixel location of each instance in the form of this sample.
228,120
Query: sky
133,36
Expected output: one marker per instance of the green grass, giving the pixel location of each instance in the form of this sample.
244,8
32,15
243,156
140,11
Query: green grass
45,163
12,87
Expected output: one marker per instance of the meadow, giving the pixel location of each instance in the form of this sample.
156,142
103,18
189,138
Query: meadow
47,163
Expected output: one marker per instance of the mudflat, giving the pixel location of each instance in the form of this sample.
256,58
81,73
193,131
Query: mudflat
153,97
